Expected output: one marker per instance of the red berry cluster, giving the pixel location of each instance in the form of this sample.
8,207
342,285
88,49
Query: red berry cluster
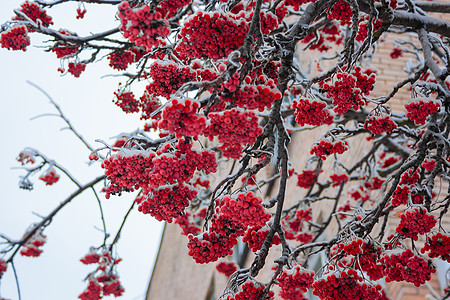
375,184
167,78
338,179
346,285
429,165
252,96
80,13
419,110
246,210
234,130
325,148
294,224
293,282
3,267
415,222
388,161
126,172
359,194
126,101
226,268
149,105
248,291
63,50
255,236
378,125
102,282
410,177
341,11
438,245
26,157
15,39
269,21
121,60
76,69
306,178
211,35
180,117
311,113
396,53
400,196
166,203
49,177
141,26
406,266
169,8
32,246
296,3
363,28
365,253
35,13
209,247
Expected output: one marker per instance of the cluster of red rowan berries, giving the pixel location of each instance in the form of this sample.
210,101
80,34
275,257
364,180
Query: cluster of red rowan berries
121,60
180,117
3,267
438,245
378,124
166,203
419,110
325,148
338,179
209,247
141,26
80,13
49,177
346,285
293,282
400,196
415,222
211,35
396,53
35,13
76,69
406,266
126,101
169,8
327,34
102,282
250,290
363,28
26,157
65,50
167,78
311,112
341,11
306,178
188,226
226,268
32,246
246,210
234,129
255,236
15,39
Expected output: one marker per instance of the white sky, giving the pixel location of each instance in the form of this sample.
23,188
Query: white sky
57,273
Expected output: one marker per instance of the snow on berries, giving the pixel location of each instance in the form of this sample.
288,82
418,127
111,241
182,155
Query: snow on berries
438,246
246,210
348,88
166,203
306,178
415,222
141,26
234,129
325,148
378,124
180,117
406,266
103,281
344,285
35,13
209,247
49,177
211,35
311,113
419,109
15,38
126,101
32,247
293,282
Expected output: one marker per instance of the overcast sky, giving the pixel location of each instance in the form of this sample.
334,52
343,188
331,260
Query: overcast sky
87,101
